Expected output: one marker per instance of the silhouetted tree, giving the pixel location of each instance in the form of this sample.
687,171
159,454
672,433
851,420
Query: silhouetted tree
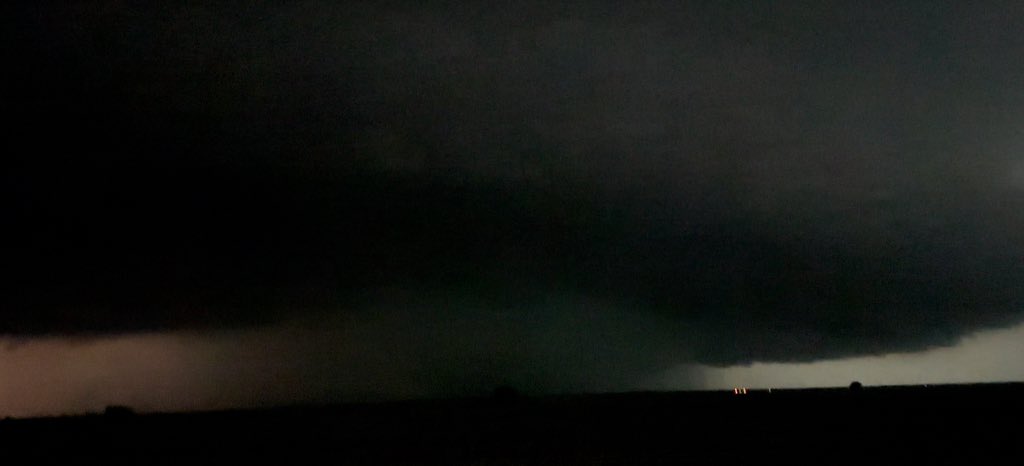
118,412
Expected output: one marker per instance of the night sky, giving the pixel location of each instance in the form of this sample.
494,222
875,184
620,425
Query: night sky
380,200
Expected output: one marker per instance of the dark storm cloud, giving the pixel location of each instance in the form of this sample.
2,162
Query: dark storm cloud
777,181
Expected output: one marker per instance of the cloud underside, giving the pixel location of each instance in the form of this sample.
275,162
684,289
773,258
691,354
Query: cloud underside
225,254
728,189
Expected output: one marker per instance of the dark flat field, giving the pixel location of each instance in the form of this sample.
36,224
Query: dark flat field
898,425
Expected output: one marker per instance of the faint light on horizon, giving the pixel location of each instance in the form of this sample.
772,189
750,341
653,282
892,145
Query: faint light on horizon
984,356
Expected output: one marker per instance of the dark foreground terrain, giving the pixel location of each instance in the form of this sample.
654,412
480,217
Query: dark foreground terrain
898,425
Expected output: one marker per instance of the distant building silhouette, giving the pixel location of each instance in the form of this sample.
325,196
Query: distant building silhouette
118,411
